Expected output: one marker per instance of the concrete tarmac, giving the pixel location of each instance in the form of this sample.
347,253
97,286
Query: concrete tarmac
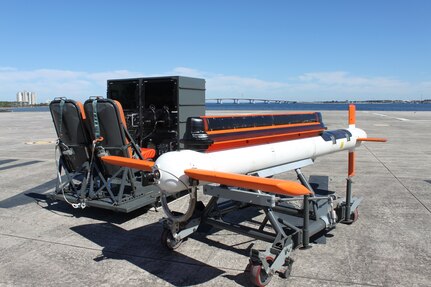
45,244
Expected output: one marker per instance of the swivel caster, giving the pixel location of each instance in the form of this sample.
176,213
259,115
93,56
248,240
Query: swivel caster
258,276
169,241
287,269
354,216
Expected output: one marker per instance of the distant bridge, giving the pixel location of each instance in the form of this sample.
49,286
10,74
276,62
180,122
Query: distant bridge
248,101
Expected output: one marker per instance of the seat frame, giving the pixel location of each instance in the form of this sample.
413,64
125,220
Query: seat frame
74,149
125,189
94,183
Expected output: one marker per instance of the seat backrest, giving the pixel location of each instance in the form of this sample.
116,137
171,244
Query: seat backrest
69,121
106,120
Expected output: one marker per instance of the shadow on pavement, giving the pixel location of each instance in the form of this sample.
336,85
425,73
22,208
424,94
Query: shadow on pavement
142,247
25,196
88,212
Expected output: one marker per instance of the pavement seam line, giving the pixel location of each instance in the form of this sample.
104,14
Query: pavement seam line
171,261
118,253
337,281
399,181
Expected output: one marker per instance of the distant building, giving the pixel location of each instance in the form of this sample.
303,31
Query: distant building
25,98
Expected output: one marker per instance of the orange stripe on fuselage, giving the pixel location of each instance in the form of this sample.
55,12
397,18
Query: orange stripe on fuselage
272,127
256,115
243,142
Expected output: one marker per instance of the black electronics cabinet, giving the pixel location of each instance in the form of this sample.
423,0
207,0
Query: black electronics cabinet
156,109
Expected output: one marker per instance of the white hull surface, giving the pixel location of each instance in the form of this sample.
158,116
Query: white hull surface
245,160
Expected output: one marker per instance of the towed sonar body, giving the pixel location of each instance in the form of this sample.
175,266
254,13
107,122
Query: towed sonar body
246,160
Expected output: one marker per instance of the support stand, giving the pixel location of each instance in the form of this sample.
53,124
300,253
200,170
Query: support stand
347,211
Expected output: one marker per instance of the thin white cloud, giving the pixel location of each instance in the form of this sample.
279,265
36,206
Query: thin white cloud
220,85
353,87
7,69
51,83
332,85
188,72
344,79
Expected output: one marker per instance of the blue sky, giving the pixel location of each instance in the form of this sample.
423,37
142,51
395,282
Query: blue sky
293,50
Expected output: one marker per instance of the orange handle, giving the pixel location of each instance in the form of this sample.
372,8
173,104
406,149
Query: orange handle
381,140
129,162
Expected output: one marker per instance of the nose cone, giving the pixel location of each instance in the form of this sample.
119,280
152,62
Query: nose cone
171,167
170,183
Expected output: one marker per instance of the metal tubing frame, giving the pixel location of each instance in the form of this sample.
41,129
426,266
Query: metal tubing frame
274,223
347,214
303,180
305,228
281,244
240,229
87,193
275,213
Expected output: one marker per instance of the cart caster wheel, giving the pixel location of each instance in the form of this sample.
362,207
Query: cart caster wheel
248,267
287,269
354,216
169,241
258,276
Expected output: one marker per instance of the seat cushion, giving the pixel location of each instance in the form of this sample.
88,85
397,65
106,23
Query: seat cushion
148,153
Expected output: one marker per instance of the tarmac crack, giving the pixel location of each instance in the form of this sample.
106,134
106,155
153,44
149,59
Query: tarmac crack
399,180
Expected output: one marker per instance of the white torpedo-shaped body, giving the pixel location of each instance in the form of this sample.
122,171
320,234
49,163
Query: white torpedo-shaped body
244,160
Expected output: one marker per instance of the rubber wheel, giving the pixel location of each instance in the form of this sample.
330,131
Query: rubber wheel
355,215
258,276
169,241
285,273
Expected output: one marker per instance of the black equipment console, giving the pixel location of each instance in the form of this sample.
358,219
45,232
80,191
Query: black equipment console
156,109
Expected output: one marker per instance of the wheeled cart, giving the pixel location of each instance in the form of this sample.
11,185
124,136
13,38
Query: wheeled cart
286,225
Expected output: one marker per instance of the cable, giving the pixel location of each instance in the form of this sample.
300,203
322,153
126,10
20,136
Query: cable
154,129
57,164
179,179
399,181
192,202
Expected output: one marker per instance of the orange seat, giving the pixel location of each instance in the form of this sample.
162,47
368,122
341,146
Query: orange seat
148,153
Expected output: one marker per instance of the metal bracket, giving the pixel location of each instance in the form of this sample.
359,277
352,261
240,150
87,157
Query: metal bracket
181,232
355,203
279,256
189,229
261,199
282,168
